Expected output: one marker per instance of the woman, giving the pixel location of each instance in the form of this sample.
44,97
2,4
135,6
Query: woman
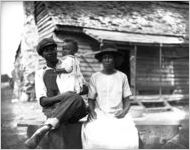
109,123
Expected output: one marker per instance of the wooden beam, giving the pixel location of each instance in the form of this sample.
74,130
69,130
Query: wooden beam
156,98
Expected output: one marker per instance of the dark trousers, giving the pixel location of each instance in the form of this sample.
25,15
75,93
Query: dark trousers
68,135
71,109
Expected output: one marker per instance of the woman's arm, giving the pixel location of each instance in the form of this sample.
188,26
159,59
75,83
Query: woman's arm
92,113
126,107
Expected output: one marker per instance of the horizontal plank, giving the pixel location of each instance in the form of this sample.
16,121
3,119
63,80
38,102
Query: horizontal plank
163,64
46,34
88,60
154,79
41,15
46,27
43,21
85,47
26,123
152,84
158,98
39,8
89,65
164,76
147,59
161,71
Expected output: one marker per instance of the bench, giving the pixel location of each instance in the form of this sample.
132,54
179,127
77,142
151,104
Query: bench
65,137
154,134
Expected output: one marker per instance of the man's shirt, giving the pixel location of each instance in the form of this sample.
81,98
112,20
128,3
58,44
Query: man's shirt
40,87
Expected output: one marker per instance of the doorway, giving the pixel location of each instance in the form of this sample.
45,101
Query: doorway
124,63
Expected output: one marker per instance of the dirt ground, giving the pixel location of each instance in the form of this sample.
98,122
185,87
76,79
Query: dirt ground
13,137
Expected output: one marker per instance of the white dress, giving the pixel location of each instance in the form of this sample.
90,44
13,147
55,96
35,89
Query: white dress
107,131
72,81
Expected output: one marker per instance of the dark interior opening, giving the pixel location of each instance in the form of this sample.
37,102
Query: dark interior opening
125,63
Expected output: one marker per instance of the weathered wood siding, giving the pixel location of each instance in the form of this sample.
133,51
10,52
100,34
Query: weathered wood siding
171,77
43,20
147,69
176,62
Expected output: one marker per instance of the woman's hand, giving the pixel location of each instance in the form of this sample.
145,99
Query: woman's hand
121,114
126,107
92,115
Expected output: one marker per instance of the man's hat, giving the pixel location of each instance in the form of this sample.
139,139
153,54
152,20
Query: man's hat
112,51
44,43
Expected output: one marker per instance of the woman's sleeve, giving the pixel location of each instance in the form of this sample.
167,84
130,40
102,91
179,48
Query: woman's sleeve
126,88
92,92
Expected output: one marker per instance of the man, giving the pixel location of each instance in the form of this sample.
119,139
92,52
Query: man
63,108
110,125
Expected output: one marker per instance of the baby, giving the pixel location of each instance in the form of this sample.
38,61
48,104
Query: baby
69,76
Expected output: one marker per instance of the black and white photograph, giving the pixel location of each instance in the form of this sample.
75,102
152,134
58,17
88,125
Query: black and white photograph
94,74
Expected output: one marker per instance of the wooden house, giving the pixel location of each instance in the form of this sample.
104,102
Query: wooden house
152,35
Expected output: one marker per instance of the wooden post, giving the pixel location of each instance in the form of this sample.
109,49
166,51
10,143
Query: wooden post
160,67
135,70
135,77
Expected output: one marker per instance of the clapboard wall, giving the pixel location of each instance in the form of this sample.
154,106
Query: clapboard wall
43,20
162,72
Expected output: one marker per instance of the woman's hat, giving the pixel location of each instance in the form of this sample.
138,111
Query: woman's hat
112,51
44,43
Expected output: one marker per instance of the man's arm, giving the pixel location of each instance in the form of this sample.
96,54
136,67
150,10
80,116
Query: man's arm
41,91
46,101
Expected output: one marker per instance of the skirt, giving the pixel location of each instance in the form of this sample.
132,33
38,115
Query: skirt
108,132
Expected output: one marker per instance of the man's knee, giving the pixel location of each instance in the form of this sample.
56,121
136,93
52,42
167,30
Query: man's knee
78,100
75,98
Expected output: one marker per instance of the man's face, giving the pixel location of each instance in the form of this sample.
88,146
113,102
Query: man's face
50,53
108,61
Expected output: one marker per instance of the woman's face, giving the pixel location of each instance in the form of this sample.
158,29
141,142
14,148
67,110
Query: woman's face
108,61
50,53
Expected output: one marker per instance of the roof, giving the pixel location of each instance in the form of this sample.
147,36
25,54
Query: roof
153,17
132,37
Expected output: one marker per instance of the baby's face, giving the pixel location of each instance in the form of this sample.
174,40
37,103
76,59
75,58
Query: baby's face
67,49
